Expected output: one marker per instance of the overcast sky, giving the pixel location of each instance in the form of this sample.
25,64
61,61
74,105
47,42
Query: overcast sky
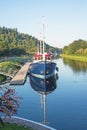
65,20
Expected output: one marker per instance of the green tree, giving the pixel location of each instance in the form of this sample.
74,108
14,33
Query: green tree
76,47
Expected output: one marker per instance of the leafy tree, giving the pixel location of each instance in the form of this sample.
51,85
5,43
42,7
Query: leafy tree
9,102
85,51
65,50
14,43
77,47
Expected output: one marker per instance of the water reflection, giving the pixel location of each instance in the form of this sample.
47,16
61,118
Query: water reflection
43,87
76,65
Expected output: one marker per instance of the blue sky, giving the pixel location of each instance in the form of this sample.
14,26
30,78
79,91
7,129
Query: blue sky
65,20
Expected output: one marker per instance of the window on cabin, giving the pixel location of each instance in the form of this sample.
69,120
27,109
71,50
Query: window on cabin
48,58
35,58
41,58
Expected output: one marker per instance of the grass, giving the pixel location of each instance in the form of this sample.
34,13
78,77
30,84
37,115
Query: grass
2,78
8,67
17,59
74,57
11,65
8,126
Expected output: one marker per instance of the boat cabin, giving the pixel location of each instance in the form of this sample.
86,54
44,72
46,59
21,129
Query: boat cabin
39,57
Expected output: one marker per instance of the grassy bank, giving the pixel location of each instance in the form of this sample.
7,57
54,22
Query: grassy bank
8,126
8,67
74,57
11,65
17,59
2,78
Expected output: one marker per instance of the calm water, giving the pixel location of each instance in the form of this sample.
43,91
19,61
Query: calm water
66,106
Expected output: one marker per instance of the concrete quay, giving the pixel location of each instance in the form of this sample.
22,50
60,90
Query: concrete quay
27,123
20,77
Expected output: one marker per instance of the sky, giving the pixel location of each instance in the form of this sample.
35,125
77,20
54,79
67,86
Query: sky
64,20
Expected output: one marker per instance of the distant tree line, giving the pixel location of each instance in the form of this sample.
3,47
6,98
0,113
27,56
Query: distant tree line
78,47
14,43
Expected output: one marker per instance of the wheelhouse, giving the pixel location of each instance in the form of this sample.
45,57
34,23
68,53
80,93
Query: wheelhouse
39,57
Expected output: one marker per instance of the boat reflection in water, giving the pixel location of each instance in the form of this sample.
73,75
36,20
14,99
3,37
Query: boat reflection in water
44,87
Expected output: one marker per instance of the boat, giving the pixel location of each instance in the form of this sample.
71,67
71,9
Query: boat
42,66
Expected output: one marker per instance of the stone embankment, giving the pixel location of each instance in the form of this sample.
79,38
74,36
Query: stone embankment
27,123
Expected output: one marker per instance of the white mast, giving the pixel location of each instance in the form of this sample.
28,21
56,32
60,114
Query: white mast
40,43
43,38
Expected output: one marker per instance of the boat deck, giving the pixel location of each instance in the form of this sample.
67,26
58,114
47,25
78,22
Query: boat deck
20,77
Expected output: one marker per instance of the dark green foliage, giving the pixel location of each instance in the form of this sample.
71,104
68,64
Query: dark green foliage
2,78
77,47
13,43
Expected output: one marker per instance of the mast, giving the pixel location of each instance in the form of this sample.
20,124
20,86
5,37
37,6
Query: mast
41,48
43,38
38,49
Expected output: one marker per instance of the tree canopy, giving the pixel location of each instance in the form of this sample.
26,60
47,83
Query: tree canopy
14,43
78,47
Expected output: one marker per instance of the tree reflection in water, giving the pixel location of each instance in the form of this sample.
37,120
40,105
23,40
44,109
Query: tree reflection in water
9,102
76,66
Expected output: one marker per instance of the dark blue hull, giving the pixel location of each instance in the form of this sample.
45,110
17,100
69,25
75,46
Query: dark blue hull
43,69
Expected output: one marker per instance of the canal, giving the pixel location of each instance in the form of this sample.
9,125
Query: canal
66,105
